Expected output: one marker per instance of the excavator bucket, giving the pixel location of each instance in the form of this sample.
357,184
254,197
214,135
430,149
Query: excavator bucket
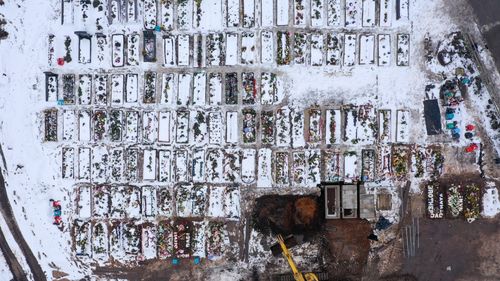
290,242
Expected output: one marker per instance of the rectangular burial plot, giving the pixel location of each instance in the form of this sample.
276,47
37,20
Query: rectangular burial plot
264,168
315,134
313,167
299,168
333,133
167,14
249,88
297,119
118,50
149,127
350,46
435,200
169,50
317,52
125,202
181,165
69,125
300,47
184,50
402,126
117,164
132,164
84,164
115,240
233,13
267,127
102,50
268,88
131,239
133,49
165,201
334,49
182,238
385,125
366,129
68,163
232,207
83,202
131,10
199,52
248,48
283,42
165,166
350,166
231,167
99,124
281,176
148,241
101,89
167,95
216,202
334,13
366,49
403,51
267,13
82,234
68,81
208,15
367,165
353,13
84,125
165,127
283,127
215,49
299,10
150,10
182,128
369,13
100,246
198,165
100,162
149,87
317,13
165,242
231,49
117,88
217,239
84,89
101,201
199,88
214,89
215,127
402,10
384,49
282,12
214,165
386,10
199,130
199,239
149,164
131,88
248,13
149,46
231,88
249,127
333,168
248,166
232,132
115,125
131,134
51,87
384,162
184,15
400,161
184,89
267,47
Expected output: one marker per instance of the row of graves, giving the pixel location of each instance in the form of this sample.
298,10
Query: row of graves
130,223
209,14
281,127
262,167
300,47
172,89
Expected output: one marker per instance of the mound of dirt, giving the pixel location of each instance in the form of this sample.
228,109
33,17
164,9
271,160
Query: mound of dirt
287,214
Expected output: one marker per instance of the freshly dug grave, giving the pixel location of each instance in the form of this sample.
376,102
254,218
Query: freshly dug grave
287,214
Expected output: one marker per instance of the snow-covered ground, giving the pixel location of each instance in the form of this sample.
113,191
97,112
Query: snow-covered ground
123,118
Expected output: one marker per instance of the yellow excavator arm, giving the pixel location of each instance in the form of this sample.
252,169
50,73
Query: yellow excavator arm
296,273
